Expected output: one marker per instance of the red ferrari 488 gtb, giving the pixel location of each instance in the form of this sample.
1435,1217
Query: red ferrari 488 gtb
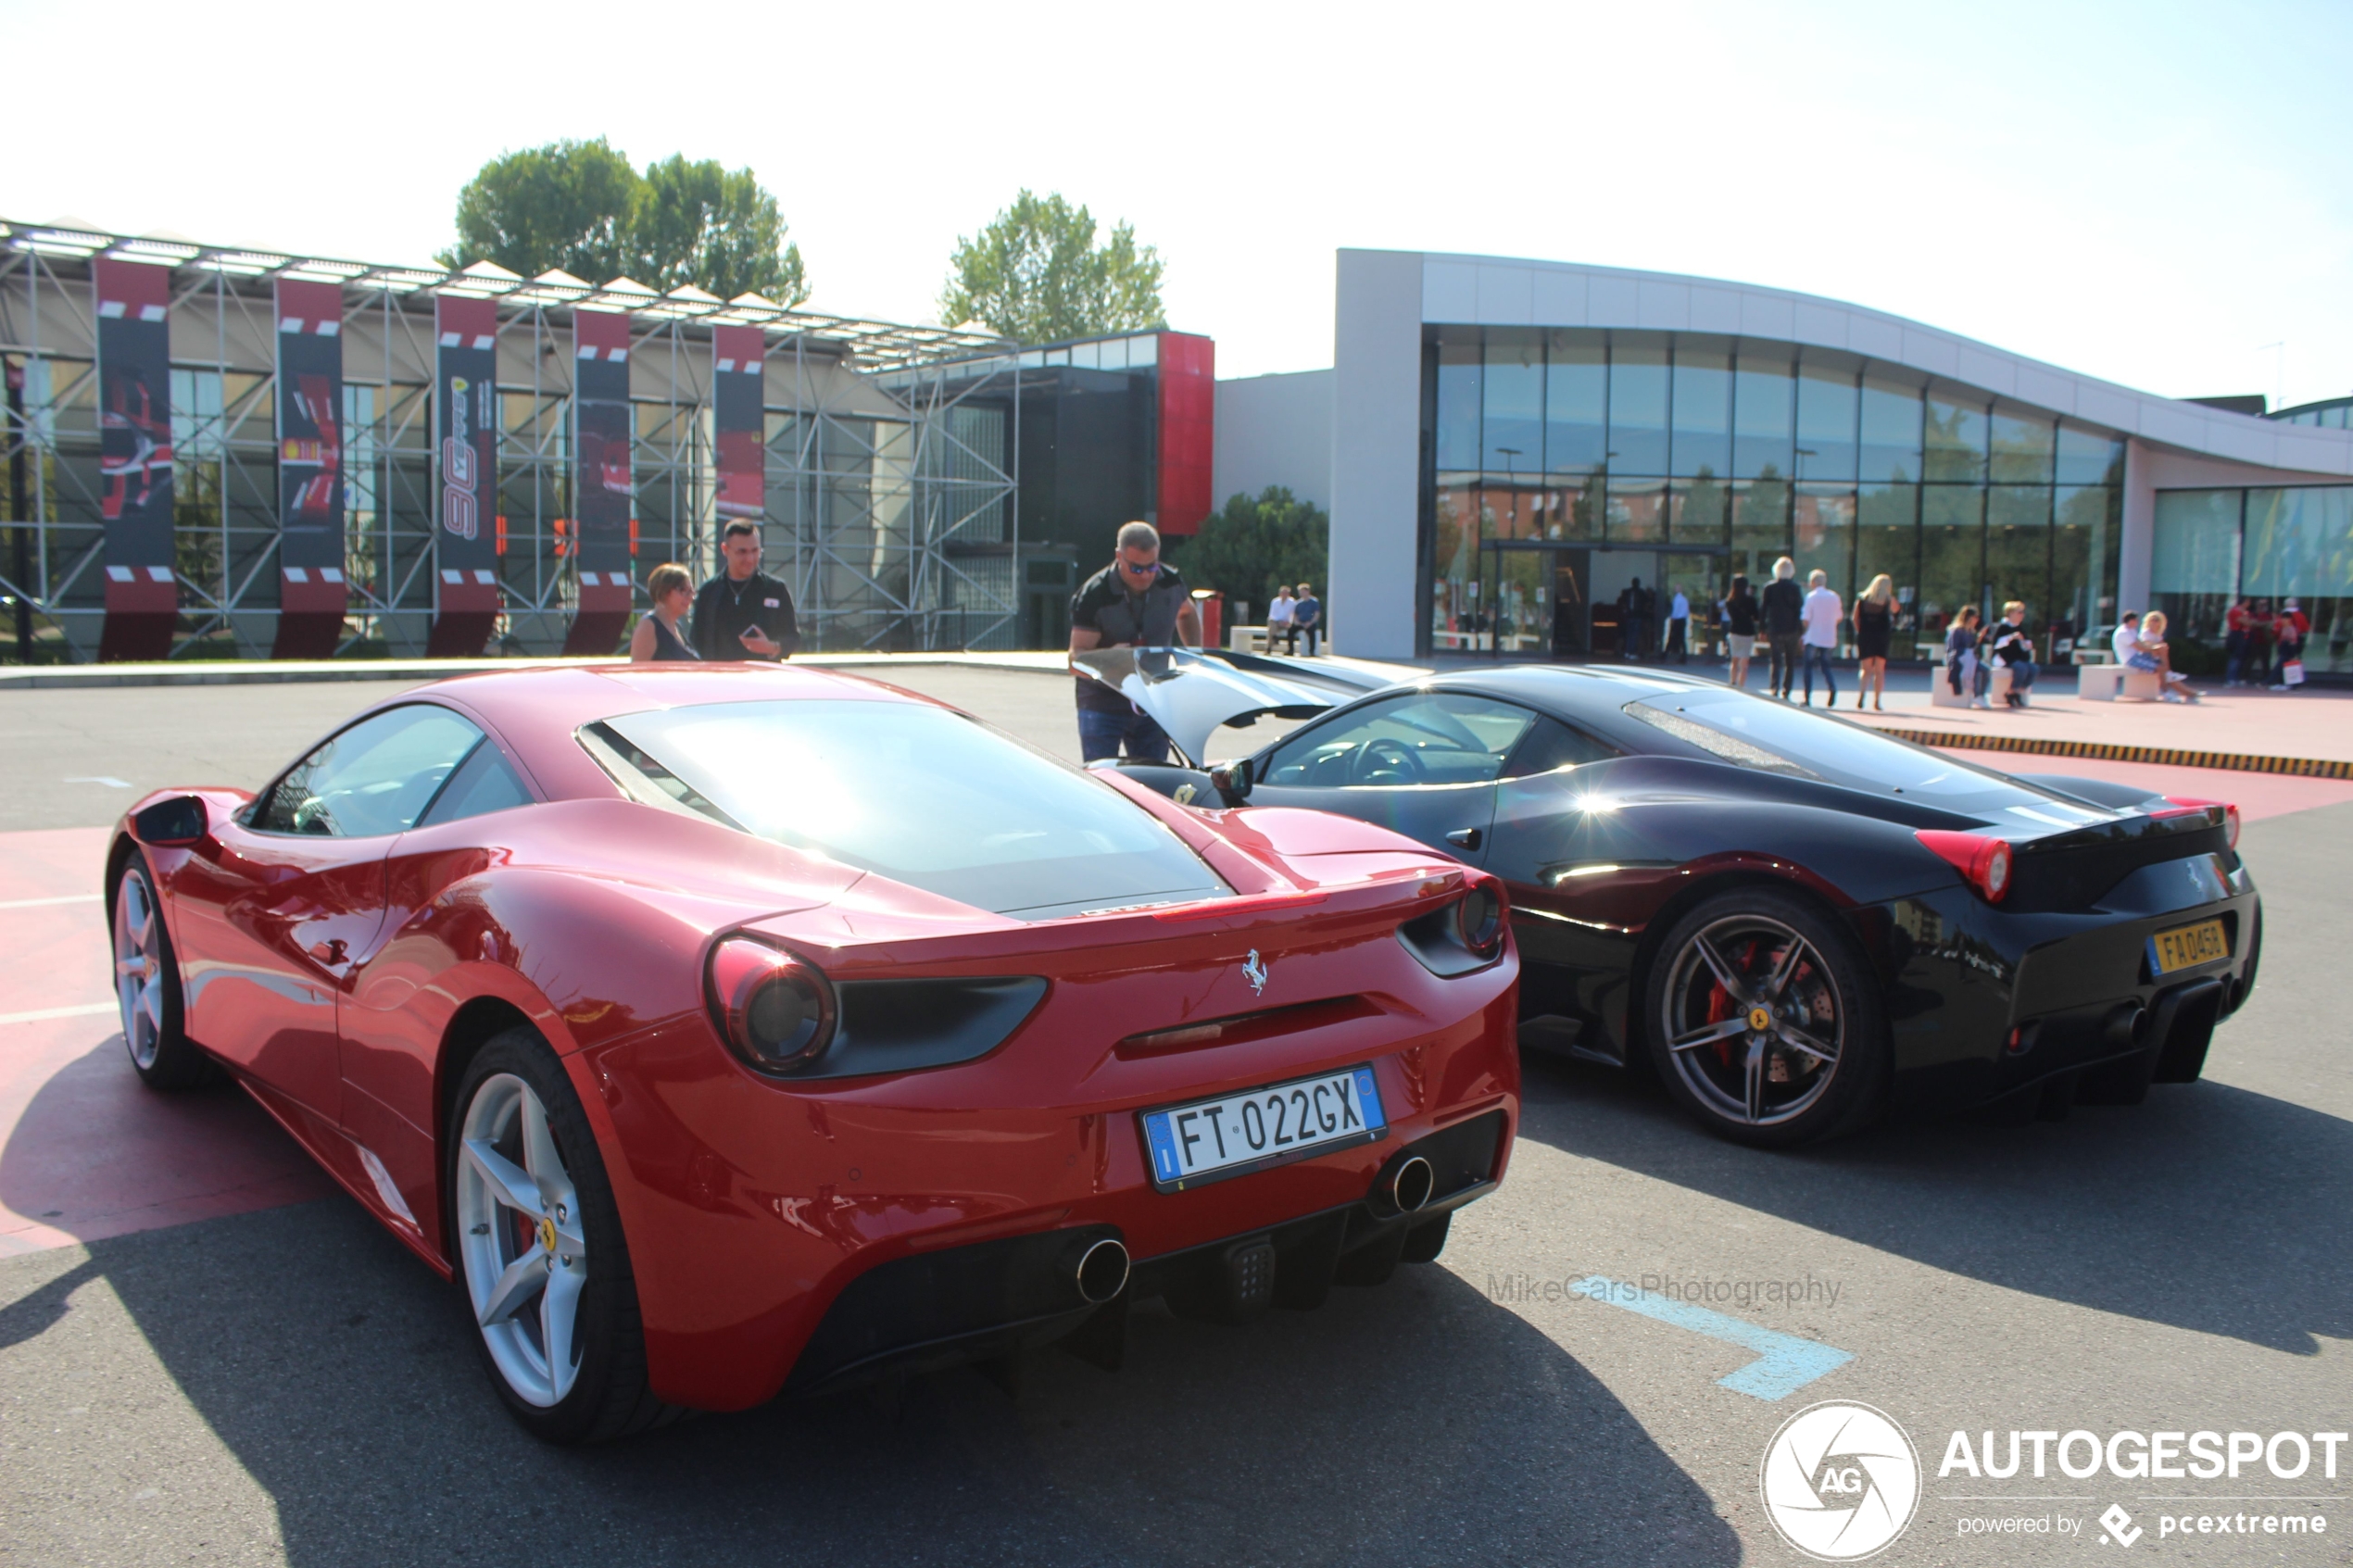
730,1031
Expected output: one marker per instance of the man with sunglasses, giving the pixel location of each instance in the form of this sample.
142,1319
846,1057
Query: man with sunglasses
1134,602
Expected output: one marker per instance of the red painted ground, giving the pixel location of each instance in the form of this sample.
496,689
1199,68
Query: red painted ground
85,1152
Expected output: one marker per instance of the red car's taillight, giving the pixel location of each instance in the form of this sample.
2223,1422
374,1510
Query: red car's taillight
1984,861
774,1009
2229,808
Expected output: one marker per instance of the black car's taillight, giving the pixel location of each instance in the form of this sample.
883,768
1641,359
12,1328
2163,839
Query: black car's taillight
774,1009
1984,861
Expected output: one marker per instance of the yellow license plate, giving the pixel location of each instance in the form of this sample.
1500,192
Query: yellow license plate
2187,946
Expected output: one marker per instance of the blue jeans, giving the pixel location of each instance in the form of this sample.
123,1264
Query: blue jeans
1822,655
2022,674
1101,735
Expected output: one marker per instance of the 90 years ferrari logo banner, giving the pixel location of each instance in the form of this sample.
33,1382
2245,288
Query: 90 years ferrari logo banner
466,431
134,456
738,418
312,596
603,493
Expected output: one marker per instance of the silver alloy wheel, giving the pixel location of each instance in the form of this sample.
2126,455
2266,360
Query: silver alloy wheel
1754,1021
138,967
519,1241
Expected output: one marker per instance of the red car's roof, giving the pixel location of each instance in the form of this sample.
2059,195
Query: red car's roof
535,712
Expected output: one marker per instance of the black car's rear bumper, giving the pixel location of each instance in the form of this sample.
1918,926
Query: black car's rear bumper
1985,1004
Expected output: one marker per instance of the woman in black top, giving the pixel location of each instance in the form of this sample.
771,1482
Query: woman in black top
656,640
1740,628
1874,625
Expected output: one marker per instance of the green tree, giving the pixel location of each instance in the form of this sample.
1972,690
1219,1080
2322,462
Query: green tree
1037,275
566,204
581,207
1256,543
715,228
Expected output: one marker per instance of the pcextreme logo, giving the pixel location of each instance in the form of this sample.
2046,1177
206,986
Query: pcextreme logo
1841,1481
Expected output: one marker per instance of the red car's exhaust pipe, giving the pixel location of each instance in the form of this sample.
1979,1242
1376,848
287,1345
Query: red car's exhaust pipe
1098,1268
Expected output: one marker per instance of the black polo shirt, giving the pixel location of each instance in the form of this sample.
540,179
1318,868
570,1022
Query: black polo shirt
1103,605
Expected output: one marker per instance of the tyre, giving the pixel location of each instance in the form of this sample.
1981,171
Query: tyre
541,1259
1764,1020
146,987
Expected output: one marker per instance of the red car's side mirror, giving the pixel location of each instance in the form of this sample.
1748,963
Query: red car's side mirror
174,823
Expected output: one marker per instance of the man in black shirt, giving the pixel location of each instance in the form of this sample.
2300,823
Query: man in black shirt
1134,602
743,612
1782,607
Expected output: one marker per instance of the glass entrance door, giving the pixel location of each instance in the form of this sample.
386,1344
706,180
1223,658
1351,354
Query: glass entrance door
1536,601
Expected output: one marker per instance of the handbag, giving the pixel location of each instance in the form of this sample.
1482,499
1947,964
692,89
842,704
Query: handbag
2292,672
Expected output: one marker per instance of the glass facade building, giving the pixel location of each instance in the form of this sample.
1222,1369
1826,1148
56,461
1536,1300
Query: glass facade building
2267,545
1563,464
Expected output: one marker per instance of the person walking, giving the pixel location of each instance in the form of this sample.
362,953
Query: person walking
1278,626
1874,628
1784,615
1823,611
656,639
2291,628
1307,615
743,612
1740,628
1678,627
1137,601
2014,651
2235,628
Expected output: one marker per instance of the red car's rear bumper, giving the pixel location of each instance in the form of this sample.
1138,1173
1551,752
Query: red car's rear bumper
751,1205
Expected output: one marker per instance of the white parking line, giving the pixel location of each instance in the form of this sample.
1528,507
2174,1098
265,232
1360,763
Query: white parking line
43,903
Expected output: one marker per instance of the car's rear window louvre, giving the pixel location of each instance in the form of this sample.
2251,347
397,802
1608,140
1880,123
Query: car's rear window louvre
1244,1027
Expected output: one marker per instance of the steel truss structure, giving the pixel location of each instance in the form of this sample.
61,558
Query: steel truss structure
890,484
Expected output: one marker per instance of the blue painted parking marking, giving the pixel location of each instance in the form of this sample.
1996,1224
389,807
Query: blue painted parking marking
1785,1362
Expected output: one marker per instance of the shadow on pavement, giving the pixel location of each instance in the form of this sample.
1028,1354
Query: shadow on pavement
2210,1207
1410,1423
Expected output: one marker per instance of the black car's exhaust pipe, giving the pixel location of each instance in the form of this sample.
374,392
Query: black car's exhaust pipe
1098,1268
2128,1025
1407,1186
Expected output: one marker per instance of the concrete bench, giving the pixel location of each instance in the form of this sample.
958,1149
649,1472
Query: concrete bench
1942,695
2117,683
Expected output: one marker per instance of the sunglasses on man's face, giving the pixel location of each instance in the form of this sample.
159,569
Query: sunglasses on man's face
1134,569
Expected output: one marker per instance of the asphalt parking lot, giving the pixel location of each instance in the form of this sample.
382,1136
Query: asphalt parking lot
286,1385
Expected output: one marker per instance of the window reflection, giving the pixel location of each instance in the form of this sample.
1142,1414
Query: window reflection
1703,412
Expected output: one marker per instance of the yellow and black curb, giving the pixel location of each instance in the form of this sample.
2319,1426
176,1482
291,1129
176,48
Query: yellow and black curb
2162,756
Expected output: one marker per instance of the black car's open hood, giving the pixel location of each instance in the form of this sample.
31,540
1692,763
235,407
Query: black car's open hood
1190,692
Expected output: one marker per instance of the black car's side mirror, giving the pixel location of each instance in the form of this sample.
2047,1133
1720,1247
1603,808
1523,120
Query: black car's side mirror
1233,781
174,823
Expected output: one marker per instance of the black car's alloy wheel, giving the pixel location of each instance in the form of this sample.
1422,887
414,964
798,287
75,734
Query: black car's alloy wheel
1764,1022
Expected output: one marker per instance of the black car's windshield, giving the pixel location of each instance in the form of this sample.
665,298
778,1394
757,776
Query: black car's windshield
1775,737
913,793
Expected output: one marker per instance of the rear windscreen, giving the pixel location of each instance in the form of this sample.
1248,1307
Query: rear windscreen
917,793
1775,737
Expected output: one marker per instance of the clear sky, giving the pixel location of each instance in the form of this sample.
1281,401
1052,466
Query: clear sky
2151,193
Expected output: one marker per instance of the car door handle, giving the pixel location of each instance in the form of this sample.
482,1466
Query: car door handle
1464,838
332,951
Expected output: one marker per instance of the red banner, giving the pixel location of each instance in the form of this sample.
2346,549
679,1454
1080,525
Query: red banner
312,596
134,456
738,409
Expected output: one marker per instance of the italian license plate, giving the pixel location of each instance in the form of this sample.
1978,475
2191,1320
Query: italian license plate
1210,1140
2186,946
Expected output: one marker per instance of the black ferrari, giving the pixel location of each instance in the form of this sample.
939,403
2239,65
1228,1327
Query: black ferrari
1802,923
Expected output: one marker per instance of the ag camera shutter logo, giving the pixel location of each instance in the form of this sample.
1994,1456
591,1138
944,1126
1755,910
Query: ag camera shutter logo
1842,1481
